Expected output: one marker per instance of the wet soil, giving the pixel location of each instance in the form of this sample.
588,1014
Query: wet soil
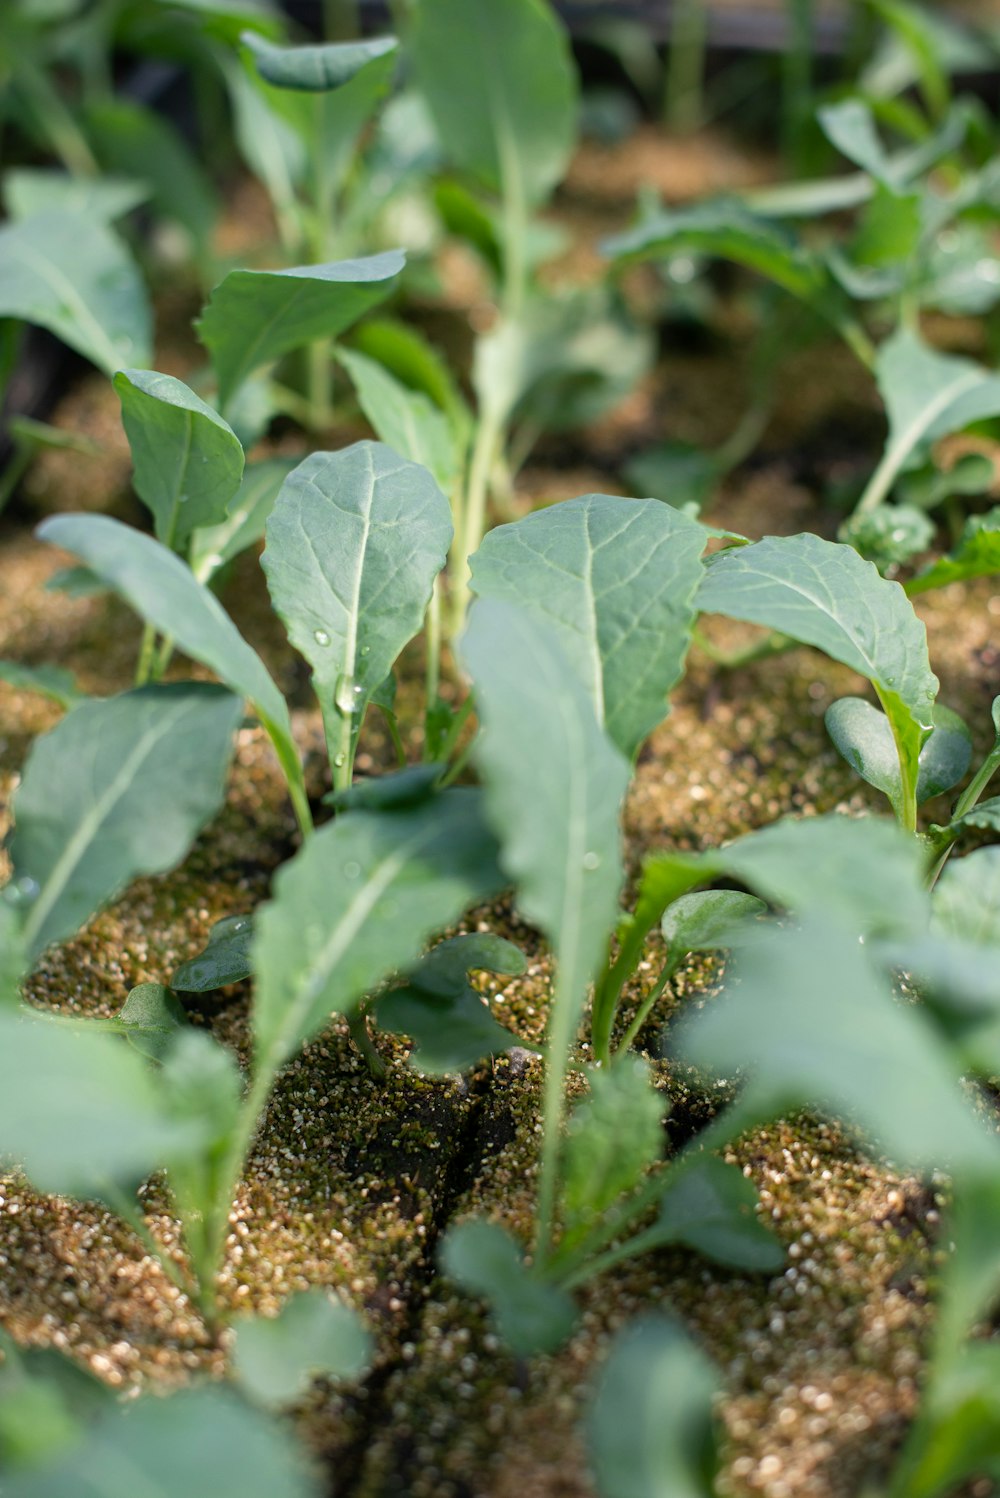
351,1183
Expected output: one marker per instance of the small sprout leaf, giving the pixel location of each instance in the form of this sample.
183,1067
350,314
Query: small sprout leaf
276,1358
976,555
613,1136
704,922
151,1017
54,682
967,897
863,736
225,959
530,1315
212,546
651,1429
711,1207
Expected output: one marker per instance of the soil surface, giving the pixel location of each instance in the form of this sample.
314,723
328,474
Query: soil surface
351,1183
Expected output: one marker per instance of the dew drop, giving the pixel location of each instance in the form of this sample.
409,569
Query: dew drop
344,695
321,637
352,870
340,760
365,650
591,861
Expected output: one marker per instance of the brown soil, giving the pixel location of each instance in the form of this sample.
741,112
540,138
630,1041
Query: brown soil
351,1183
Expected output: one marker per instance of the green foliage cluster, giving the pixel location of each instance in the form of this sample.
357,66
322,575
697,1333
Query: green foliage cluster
571,627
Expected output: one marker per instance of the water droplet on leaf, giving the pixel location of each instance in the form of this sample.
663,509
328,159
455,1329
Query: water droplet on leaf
591,861
321,637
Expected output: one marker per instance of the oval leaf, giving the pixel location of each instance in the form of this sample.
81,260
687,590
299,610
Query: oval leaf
863,736
823,594
354,543
276,1358
704,922
187,461
314,69
530,1315
502,88
225,960
616,581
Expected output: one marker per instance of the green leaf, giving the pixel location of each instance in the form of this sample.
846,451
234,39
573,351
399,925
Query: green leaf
563,361
704,922
71,274
408,355
31,190
927,396
187,461
164,591
225,959
824,595
889,535
530,1315
807,1019
255,316
54,682
354,543
314,69
405,420
615,581
132,140
388,792
357,903
711,1207
957,1431
967,897
850,126
201,1440
120,787
276,1358
13,957
213,546
985,817
151,1018
863,871
553,794
502,87
651,1429
201,1088
863,736
678,473
724,229
612,1138
97,1121
976,555
45,1403
441,1011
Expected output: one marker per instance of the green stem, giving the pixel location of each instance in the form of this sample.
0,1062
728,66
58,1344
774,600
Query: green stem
966,801
15,471
217,1223
131,1214
459,719
163,658
147,654
644,1010
469,533
433,644
560,1038
797,78
343,746
684,93
772,644
357,1024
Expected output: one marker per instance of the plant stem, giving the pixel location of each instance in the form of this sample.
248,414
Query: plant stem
357,1024
131,1214
684,93
147,655
966,801
433,643
643,1012
560,1037
772,644
797,78
469,533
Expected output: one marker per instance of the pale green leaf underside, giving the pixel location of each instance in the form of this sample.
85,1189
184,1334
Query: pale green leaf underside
404,419
71,274
314,69
255,316
616,580
119,788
